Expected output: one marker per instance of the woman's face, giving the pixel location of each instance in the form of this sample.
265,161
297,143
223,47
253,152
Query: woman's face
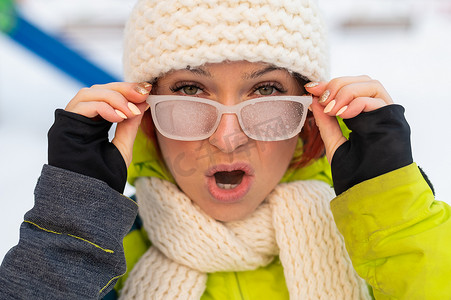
229,174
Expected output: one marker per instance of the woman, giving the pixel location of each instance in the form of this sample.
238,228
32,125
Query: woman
231,174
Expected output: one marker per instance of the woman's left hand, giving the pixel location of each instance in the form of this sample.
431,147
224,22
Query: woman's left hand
346,97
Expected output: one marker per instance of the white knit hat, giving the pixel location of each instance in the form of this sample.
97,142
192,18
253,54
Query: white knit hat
165,35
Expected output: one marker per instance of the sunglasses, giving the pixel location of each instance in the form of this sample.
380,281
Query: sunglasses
272,118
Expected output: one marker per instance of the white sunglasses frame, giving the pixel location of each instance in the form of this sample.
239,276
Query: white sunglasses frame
153,100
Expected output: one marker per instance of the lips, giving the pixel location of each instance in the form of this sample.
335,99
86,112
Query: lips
229,183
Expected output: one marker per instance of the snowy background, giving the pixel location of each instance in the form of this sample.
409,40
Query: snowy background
405,44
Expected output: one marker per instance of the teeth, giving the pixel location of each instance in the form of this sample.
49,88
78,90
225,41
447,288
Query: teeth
226,186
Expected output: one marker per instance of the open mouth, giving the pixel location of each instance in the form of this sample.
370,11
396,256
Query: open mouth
229,183
229,180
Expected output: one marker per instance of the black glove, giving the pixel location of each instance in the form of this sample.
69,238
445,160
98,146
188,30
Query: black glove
379,143
80,144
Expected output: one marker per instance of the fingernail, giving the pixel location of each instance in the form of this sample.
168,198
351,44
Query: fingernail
145,85
135,110
140,90
120,114
324,96
311,84
329,107
342,110
310,108
143,88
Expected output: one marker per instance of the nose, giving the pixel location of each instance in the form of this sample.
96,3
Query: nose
229,135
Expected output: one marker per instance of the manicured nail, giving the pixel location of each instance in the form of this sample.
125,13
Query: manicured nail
135,110
145,85
141,90
342,110
311,84
120,114
324,96
329,107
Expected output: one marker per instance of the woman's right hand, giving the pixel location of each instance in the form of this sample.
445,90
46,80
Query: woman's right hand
119,102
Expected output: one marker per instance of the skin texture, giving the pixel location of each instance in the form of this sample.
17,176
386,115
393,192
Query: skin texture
229,83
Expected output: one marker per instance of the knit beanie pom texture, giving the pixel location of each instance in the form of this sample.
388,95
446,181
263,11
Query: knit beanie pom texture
161,36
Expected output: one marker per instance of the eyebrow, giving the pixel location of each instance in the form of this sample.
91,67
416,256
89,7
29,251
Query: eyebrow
199,71
260,73
253,75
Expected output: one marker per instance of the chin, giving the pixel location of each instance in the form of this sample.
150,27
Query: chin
230,212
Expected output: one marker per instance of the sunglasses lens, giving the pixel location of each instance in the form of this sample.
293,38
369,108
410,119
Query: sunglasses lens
185,120
272,120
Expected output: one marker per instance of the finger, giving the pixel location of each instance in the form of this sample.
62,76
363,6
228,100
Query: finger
113,98
371,89
316,88
336,84
349,93
84,101
134,92
98,108
126,133
359,105
329,129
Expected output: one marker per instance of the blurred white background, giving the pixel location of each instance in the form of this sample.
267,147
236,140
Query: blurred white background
405,44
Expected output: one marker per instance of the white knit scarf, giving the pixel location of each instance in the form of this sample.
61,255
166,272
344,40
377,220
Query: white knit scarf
294,222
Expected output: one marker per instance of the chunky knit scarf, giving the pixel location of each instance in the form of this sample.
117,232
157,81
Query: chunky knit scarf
294,222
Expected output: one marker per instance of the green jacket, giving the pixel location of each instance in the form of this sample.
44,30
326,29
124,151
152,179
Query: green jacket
397,235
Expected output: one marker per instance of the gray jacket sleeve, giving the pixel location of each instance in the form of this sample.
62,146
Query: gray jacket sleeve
70,243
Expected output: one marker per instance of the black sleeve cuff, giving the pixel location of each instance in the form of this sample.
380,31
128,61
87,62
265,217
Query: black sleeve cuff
81,145
379,143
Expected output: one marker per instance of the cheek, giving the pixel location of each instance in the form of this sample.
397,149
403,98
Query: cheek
178,156
276,156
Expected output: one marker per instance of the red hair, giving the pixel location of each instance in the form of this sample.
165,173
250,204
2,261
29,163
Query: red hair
149,130
313,147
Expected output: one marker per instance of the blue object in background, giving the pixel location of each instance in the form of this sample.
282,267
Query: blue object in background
57,54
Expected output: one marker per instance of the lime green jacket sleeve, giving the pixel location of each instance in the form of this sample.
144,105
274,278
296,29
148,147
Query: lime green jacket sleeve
397,235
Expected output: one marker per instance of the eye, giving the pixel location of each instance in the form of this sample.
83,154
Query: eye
190,90
187,89
268,89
